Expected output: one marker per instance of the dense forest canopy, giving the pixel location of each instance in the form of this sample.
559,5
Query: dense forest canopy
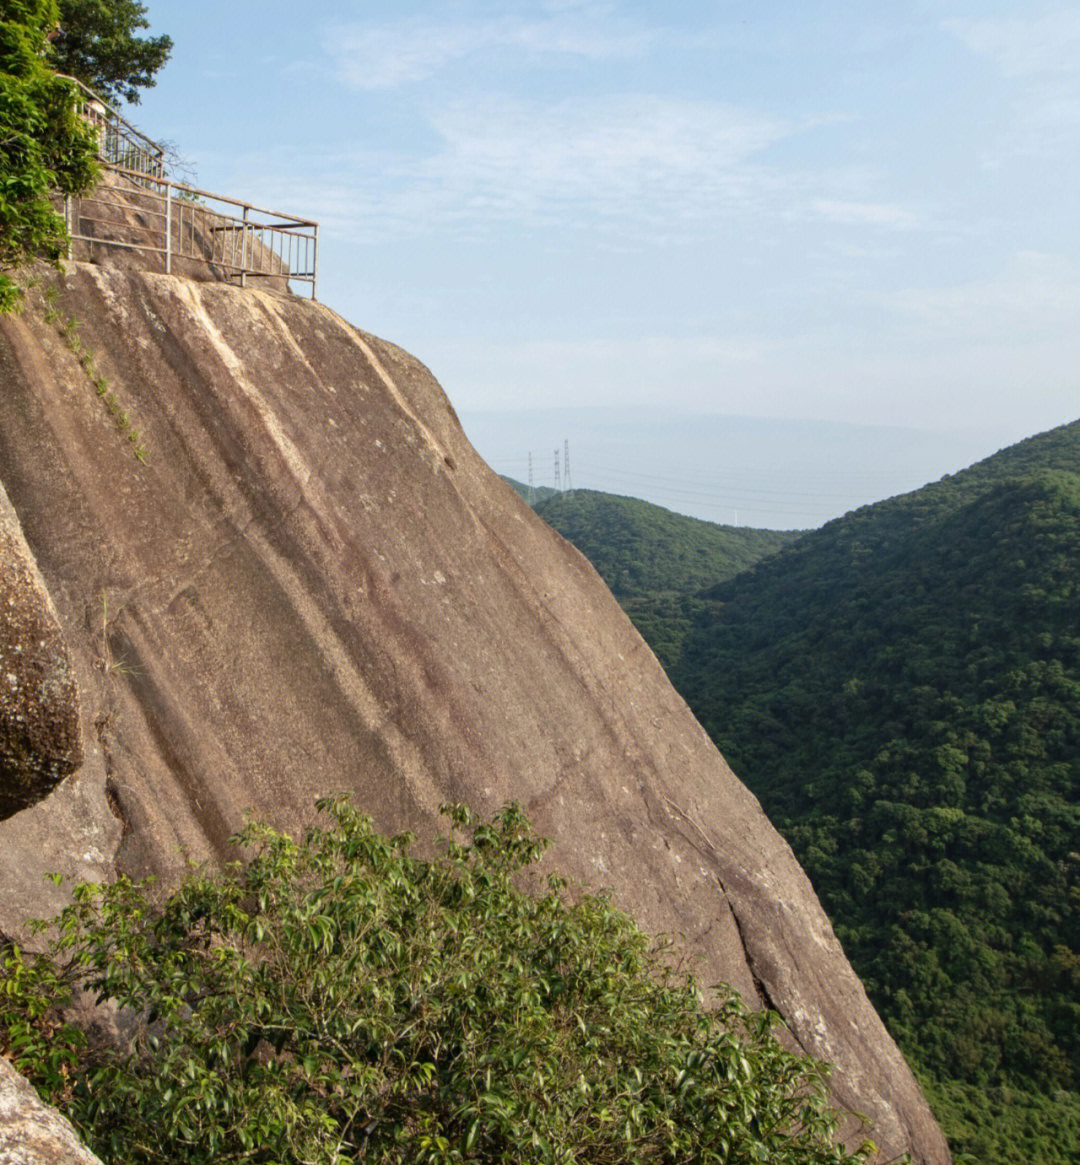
901,688
644,550
655,561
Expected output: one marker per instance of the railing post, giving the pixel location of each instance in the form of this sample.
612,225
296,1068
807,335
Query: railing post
315,264
67,227
243,250
168,228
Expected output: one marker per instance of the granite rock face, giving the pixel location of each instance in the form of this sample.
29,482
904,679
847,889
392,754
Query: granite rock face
314,584
40,739
32,1133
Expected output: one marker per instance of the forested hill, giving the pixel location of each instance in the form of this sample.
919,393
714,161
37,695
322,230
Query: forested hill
530,493
643,550
901,688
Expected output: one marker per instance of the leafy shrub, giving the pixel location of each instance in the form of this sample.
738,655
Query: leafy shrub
45,146
341,999
32,1033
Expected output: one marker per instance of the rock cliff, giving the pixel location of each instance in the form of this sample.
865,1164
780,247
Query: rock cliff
313,584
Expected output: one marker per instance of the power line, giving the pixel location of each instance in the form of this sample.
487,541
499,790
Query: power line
724,479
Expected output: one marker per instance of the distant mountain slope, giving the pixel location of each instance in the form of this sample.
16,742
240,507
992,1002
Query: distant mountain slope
901,688
531,494
654,561
642,549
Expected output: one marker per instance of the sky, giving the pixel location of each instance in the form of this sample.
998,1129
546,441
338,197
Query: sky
854,226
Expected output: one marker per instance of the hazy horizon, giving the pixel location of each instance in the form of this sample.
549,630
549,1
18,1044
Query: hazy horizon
749,471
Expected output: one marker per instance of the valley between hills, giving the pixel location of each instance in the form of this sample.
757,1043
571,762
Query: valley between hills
901,690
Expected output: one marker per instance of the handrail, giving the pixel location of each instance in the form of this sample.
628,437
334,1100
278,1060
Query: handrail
138,139
292,219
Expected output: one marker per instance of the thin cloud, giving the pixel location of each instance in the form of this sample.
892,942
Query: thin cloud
1024,46
878,214
1045,126
639,168
668,351
1035,295
641,157
628,369
1044,53
407,51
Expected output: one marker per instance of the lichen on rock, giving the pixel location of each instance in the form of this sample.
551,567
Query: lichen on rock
40,739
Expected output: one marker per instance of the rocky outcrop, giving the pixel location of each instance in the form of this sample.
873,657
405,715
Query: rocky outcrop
40,740
32,1133
315,584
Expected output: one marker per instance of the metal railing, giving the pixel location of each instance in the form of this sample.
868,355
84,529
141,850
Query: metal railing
141,209
120,144
138,212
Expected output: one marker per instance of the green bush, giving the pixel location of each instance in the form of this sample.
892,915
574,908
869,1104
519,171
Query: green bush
32,1033
45,146
341,999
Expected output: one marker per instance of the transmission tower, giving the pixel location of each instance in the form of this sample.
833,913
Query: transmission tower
566,465
558,487
532,492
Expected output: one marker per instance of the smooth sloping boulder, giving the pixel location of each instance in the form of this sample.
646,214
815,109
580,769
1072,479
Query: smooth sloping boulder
32,1133
40,738
315,584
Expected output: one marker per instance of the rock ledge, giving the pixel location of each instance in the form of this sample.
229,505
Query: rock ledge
32,1133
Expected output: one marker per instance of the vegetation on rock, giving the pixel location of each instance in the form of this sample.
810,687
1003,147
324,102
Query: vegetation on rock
341,1000
45,146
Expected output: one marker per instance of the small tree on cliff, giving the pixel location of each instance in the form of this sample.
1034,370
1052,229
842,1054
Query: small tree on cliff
44,145
98,44
341,1000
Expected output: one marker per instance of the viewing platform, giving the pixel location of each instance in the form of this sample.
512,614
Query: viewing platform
138,209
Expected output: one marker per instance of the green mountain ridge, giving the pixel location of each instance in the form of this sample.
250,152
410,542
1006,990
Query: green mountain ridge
641,549
654,560
538,492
